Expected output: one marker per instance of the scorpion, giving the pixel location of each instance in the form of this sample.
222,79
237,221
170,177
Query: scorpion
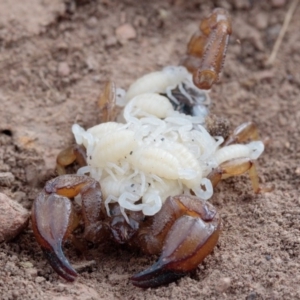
147,172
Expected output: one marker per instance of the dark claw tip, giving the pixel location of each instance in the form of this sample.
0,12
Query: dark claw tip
60,264
155,276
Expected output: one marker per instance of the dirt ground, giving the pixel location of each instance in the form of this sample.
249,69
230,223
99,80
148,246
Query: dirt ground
54,59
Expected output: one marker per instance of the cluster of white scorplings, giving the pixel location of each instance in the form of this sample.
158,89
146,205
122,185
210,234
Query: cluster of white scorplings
156,151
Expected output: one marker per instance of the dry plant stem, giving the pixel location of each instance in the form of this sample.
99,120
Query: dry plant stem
83,265
282,32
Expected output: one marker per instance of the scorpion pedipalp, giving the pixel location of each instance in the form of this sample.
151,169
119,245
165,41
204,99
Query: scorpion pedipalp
53,217
52,222
187,229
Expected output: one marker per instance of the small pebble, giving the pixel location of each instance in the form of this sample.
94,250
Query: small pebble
91,63
6,178
39,279
32,175
19,196
140,21
14,218
15,294
252,296
125,32
60,287
26,264
92,22
163,14
268,257
111,41
117,277
241,4
223,284
278,3
63,69
32,272
261,20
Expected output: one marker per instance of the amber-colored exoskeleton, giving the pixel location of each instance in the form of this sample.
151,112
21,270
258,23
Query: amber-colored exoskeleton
207,49
185,230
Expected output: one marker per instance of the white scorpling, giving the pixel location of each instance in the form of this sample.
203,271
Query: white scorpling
157,152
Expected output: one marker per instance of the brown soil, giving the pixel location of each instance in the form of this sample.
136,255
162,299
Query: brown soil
54,60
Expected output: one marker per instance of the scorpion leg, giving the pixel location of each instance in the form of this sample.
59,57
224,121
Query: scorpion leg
53,218
107,103
236,167
242,133
185,230
68,156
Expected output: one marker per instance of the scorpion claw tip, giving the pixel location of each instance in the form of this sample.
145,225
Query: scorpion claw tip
155,276
60,264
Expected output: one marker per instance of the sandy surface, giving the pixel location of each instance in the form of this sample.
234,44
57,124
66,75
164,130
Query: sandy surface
54,60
